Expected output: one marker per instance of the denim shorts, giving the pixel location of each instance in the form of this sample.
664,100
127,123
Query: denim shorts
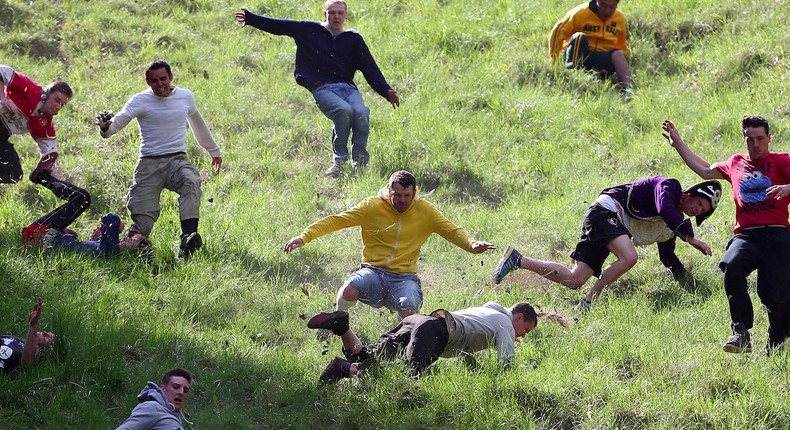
380,288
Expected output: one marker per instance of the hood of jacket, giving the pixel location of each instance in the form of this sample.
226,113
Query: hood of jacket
152,392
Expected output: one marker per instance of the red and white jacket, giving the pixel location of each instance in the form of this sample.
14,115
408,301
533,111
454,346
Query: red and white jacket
29,97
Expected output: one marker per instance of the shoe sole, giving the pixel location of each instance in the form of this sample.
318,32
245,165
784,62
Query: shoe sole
735,350
501,263
324,320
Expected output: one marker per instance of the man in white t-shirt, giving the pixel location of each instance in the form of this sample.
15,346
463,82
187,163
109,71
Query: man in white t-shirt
421,339
161,113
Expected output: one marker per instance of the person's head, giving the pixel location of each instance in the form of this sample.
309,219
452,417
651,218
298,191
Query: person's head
159,76
605,8
524,318
402,188
56,95
45,338
335,13
701,200
176,383
756,135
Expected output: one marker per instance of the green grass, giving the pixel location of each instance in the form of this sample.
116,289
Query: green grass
516,150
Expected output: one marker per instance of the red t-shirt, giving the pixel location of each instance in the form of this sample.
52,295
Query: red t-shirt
750,179
26,94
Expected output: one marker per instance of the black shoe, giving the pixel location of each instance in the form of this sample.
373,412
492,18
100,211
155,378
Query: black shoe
740,341
336,322
336,370
189,244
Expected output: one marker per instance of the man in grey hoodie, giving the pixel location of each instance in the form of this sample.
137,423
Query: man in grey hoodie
160,406
421,339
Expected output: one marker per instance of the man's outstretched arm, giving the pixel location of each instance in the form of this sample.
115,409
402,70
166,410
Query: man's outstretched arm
694,161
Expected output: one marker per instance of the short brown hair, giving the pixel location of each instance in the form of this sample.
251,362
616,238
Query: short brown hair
156,65
178,371
403,177
60,87
755,121
527,310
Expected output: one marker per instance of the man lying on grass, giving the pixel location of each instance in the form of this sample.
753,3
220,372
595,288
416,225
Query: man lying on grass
51,230
649,210
15,352
421,339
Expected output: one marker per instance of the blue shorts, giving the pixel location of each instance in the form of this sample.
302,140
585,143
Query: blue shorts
380,288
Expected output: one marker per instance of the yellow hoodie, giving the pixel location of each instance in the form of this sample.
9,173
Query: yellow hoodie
391,240
602,36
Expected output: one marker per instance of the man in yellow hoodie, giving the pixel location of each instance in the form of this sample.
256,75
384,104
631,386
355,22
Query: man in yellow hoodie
394,224
593,35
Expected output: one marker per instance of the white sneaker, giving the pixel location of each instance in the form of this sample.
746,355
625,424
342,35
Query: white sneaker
334,171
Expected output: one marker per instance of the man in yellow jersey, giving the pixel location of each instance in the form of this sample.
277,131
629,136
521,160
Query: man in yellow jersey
593,36
394,224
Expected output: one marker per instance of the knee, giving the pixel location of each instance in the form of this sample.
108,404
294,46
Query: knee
84,199
349,293
341,115
629,260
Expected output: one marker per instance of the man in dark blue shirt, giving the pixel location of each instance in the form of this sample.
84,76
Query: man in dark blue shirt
15,352
327,56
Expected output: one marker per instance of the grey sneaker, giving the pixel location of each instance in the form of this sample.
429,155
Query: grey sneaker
507,263
334,171
740,341
583,307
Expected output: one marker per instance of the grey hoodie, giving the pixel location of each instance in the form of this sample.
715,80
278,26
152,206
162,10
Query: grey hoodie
153,413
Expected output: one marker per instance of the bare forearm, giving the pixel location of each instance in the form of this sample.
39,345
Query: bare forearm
696,163
31,347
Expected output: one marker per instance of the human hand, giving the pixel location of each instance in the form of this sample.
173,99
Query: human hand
700,245
779,191
480,247
241,17
672,135
393,98
35,314
216,164
10,105
292,244
104,119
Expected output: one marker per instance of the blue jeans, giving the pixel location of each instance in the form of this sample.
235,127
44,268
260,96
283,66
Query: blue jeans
394,291
343,104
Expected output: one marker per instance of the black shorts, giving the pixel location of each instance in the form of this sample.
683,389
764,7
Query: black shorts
600,62
600,226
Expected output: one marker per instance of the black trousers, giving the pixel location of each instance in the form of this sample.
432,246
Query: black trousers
766,250
77,200
10,165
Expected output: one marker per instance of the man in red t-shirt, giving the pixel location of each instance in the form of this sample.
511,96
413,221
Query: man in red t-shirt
761,192
24,105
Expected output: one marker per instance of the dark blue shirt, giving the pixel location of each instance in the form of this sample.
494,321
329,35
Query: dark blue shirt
322,58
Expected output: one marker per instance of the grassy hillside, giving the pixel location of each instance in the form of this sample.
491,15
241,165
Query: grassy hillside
516,150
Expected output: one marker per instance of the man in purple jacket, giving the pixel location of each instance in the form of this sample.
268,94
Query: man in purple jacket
327,56
649,210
